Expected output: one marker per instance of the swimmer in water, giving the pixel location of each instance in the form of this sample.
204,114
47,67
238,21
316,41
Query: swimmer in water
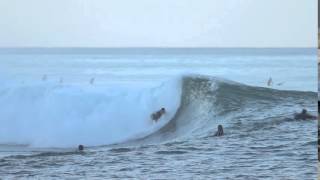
304,115
80,147
157,115
220,131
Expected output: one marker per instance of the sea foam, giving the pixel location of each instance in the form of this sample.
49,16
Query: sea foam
52,115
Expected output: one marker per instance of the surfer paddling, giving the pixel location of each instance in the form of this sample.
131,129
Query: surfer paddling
220,131
157,115
304,115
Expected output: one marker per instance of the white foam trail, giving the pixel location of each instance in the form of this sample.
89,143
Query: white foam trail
51,115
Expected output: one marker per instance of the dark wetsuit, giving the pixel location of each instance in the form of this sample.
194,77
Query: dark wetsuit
219,132
155,116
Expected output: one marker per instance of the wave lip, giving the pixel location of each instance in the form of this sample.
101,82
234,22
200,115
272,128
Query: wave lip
208,101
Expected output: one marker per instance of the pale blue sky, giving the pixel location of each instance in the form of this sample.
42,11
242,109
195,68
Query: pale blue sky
158,23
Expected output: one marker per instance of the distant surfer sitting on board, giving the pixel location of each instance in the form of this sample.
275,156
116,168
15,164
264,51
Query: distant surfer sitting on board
304,115
220,131
157,115
270,82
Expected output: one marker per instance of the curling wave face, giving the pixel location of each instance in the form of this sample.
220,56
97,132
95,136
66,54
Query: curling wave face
207,102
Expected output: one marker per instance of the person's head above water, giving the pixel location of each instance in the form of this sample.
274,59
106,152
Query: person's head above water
80,147
163,110
304,111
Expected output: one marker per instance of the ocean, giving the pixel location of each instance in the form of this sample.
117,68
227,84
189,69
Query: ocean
52,100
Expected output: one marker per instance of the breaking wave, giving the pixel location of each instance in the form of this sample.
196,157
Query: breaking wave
47,115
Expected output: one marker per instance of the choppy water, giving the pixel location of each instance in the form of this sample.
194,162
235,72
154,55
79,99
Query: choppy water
261,140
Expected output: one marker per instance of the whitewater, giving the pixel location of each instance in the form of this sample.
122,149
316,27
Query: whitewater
52,102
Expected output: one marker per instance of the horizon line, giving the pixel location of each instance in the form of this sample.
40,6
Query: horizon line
159,47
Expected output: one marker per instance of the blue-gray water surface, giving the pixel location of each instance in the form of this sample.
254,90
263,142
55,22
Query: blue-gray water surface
261,140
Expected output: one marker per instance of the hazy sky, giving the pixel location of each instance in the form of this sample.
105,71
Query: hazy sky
158,23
